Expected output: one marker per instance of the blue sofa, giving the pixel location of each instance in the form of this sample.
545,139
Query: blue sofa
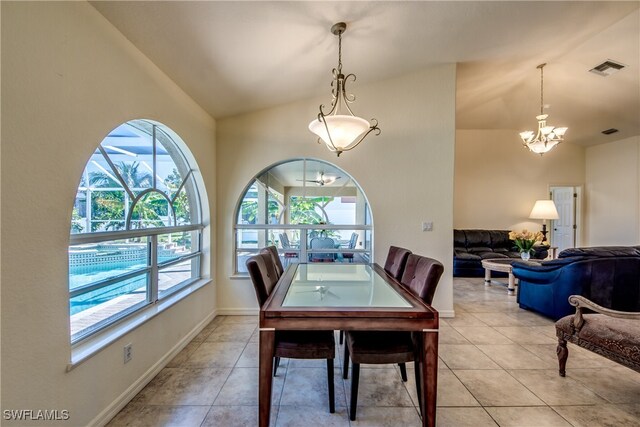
607,275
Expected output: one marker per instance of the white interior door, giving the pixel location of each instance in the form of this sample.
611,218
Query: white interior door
563,229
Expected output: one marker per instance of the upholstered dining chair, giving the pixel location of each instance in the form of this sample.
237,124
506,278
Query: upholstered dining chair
396,260
272,251
292,344
421,276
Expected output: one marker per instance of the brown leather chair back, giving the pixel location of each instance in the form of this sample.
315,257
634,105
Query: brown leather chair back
396,260
421,275
273,252
263,275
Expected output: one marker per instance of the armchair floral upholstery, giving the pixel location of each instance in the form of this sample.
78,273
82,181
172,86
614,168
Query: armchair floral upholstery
610,333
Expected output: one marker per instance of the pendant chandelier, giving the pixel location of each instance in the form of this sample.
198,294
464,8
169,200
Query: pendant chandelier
547,136
340,129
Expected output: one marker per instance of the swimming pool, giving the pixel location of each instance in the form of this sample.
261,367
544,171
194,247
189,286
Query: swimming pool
94,263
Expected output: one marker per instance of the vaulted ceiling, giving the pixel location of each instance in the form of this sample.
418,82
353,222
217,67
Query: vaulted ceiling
235,57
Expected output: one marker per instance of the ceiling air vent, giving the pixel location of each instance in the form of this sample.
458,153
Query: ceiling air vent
607,68
610,131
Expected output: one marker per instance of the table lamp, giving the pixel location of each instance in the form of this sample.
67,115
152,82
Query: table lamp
544,210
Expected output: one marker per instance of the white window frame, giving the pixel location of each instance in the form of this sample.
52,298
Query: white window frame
118,322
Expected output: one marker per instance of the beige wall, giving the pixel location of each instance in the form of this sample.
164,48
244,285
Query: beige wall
406,172
497,181
68,78
613,193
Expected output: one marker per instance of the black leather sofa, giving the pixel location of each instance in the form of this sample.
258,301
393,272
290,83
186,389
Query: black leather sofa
607,275
470,247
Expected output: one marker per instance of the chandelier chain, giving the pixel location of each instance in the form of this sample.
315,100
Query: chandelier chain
340,52
542,90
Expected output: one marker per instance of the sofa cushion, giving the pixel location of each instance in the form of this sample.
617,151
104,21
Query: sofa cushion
480,249
601,251
478,239
514,255
500,240
492,255
465,256
459,239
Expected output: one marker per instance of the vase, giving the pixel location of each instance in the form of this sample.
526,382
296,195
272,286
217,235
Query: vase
525,255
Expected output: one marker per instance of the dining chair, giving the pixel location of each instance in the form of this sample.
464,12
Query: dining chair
272,251
352,244
292,344
322,243
421,276
396,260
286,244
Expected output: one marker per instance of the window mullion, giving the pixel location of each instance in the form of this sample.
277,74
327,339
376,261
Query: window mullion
198,271
89,209
153,153
152,293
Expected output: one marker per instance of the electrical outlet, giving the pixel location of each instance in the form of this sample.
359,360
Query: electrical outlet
128,352
427,226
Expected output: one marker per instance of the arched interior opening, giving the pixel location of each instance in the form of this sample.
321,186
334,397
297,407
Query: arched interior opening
311,210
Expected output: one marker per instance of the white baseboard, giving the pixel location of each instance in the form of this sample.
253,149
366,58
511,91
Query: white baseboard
447,313
238,311
116,406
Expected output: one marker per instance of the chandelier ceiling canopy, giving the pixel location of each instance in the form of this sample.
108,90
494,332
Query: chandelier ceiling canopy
340,129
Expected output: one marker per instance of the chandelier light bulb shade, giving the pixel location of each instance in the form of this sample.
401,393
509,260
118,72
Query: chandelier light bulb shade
344,130
340,129
547,136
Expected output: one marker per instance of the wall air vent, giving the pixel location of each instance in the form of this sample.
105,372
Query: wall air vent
607,68
610,131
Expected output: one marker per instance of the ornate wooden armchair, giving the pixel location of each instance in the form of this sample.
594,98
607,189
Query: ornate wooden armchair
610,333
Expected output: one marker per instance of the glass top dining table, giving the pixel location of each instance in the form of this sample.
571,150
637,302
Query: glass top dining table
331,296
340,285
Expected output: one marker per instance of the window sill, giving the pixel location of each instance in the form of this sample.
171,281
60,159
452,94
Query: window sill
239,276
86,349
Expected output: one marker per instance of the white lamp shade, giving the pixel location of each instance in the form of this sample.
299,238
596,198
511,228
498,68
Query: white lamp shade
344,130
544,209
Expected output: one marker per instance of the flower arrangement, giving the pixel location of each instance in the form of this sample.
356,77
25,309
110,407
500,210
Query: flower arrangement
525,239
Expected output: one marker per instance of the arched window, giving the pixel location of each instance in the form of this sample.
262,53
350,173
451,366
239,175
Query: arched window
311,210
135,229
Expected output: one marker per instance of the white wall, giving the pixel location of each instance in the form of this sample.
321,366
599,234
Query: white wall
613,193
68,78
406,172
497,181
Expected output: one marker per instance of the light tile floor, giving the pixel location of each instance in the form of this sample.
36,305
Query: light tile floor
497,366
